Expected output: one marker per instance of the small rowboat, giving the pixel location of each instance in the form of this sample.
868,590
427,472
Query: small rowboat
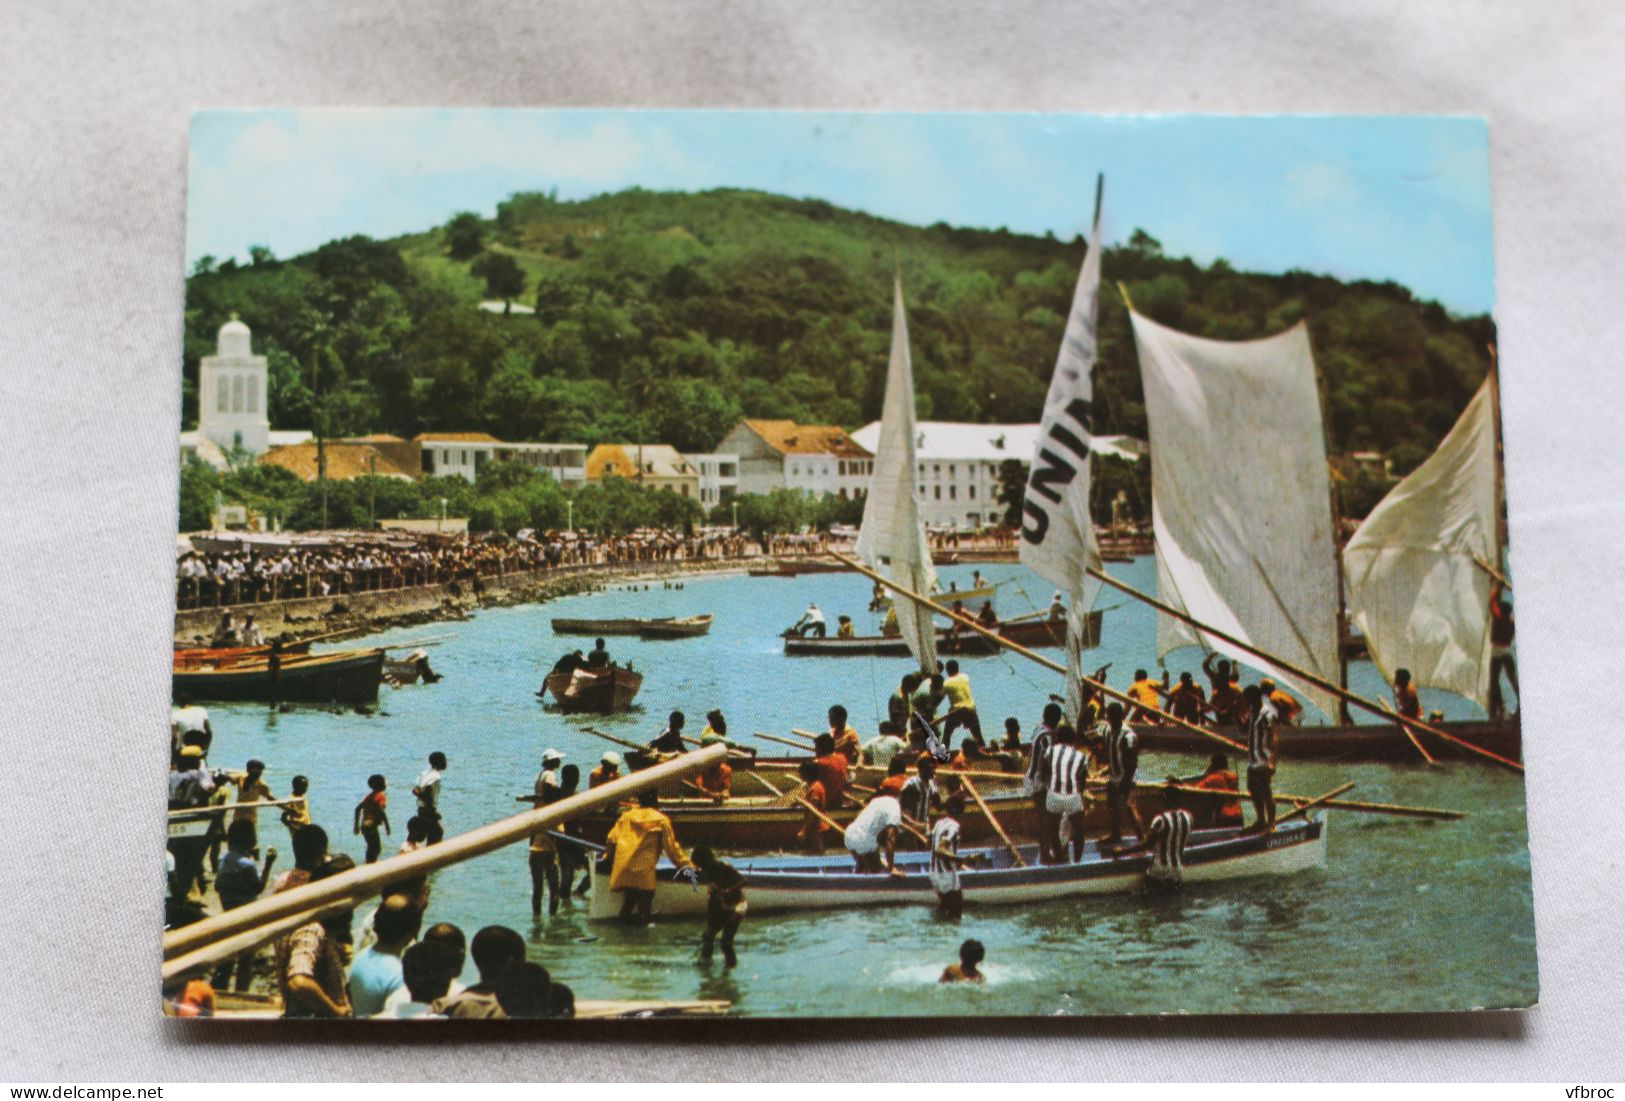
664,627
796,883
344,676
599,691
973,598
1032,632
775,570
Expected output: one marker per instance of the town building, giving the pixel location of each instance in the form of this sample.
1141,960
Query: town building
653,465
719,477
958,471
814,459
467,453
233,403
344,459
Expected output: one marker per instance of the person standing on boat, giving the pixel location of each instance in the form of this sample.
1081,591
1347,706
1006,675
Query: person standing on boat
1122,760
919,794
946,861
874,831
1036,783
1406,701
1263,741
961,705
1224,700
811,623
1063,804
633,848
1502,631
427,791
1187,701
599,657
1287,709
251,634
1147,693
928,696
897,707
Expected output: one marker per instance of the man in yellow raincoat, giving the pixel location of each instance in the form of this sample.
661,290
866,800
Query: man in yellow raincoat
634,846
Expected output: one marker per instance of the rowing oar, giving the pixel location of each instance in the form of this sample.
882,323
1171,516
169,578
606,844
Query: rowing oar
760,779
1411,734
784,741
613,738
1492,571
1099,686
1312,678
221,808
809,735
944,770
1339,804
820,814
430,641
992,821
1304,808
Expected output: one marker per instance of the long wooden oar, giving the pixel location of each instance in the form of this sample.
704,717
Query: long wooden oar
1339,804
1303,674
998,828
1411,735
809,735
994,636
784,741
1304,808
432,640
760,779
912,825
221,808
612,738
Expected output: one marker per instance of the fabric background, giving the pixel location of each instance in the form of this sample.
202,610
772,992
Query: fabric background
92,160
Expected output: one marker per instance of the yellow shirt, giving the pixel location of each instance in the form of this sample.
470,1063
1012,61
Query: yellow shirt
957,689
845,630
257,792
640,835
1145,692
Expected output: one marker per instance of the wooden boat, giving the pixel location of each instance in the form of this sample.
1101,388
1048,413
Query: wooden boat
599,691
781,775
1375,742
344,676
663,627
221,656
762,825
973,599
247,1006
1032,632
778,569
796,883
689,626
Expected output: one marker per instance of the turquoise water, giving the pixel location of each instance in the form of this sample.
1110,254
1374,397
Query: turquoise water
1407,915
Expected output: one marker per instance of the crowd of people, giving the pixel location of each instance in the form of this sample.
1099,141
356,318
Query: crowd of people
365,564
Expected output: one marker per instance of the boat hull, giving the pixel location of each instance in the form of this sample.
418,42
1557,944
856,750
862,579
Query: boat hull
348,678
1354,743
781,884
1033,634
665,627
599,693
222,656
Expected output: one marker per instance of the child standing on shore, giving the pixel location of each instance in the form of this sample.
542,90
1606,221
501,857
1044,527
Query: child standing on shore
370,814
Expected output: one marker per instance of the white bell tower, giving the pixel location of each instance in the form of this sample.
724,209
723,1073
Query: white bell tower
232,393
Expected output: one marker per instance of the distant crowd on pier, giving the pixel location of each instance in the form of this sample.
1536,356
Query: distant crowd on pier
257,574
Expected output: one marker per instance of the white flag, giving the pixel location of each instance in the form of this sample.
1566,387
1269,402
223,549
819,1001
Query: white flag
1057,533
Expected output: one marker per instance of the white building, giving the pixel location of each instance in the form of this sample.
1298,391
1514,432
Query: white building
232,402
813,458
719,477
958,472
465,454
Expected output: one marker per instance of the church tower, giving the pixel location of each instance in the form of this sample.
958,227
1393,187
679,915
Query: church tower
232,393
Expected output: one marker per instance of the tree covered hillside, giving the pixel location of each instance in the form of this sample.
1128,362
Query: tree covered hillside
667,316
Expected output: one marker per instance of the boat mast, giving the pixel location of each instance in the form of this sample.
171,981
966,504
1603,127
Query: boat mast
1500,461
1342,628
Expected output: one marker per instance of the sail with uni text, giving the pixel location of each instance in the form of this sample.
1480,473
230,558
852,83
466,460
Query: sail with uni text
1057,532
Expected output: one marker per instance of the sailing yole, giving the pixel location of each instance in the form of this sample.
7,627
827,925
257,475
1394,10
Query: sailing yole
656,459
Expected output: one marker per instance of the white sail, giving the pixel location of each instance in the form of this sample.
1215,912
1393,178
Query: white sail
892,538
1057,533
1241,500
1415,591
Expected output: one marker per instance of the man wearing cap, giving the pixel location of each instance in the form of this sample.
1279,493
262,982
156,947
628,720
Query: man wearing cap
609,768
544,861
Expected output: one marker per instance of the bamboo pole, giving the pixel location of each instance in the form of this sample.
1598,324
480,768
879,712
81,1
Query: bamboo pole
622,742
1099,686
809,735
371,879
1493,572
784,741
221,808
760,779
998,828
1312,678
1304,808
1340,804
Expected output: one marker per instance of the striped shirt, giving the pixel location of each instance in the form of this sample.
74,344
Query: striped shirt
1166,838
917,797
1122,752
1038,763
1259,733
944,838
1068,769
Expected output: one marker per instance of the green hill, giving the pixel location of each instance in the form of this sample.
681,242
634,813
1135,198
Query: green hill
667,316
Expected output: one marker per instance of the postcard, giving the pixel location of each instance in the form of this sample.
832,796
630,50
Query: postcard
837,565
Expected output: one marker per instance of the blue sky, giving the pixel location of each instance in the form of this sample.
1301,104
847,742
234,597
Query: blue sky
1401,198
